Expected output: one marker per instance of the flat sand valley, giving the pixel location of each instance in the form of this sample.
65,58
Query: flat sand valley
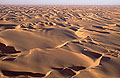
59,41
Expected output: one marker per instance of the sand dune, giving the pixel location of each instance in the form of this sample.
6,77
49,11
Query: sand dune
59,41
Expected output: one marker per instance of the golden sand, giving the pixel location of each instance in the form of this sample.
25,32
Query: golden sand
59,41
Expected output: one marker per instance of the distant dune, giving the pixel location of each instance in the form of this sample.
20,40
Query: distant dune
59,41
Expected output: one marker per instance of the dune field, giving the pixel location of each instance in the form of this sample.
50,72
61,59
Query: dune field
59,41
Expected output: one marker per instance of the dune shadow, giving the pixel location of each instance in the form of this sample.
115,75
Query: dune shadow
7,49
16,73
8,26
104,32
99,27
65,72
9,59
91,54
78,68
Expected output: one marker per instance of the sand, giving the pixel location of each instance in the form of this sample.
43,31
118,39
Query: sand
59,41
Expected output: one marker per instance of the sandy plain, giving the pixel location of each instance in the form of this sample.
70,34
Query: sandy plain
59,41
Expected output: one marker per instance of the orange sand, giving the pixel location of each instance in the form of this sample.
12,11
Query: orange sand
59,41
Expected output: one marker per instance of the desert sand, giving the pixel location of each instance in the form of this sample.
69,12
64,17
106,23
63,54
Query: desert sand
59,41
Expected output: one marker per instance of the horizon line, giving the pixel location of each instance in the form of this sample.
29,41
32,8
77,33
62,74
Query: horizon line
62,4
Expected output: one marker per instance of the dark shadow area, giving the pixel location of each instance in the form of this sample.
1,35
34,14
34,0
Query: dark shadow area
76,42
78,68
99,27
9,59
48,29
61,24
118,25
7,49
65,72
2,55
91,54
8,26
99,31
74,28
14,73
105,58
106,18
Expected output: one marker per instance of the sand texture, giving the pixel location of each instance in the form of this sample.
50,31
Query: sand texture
59,41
